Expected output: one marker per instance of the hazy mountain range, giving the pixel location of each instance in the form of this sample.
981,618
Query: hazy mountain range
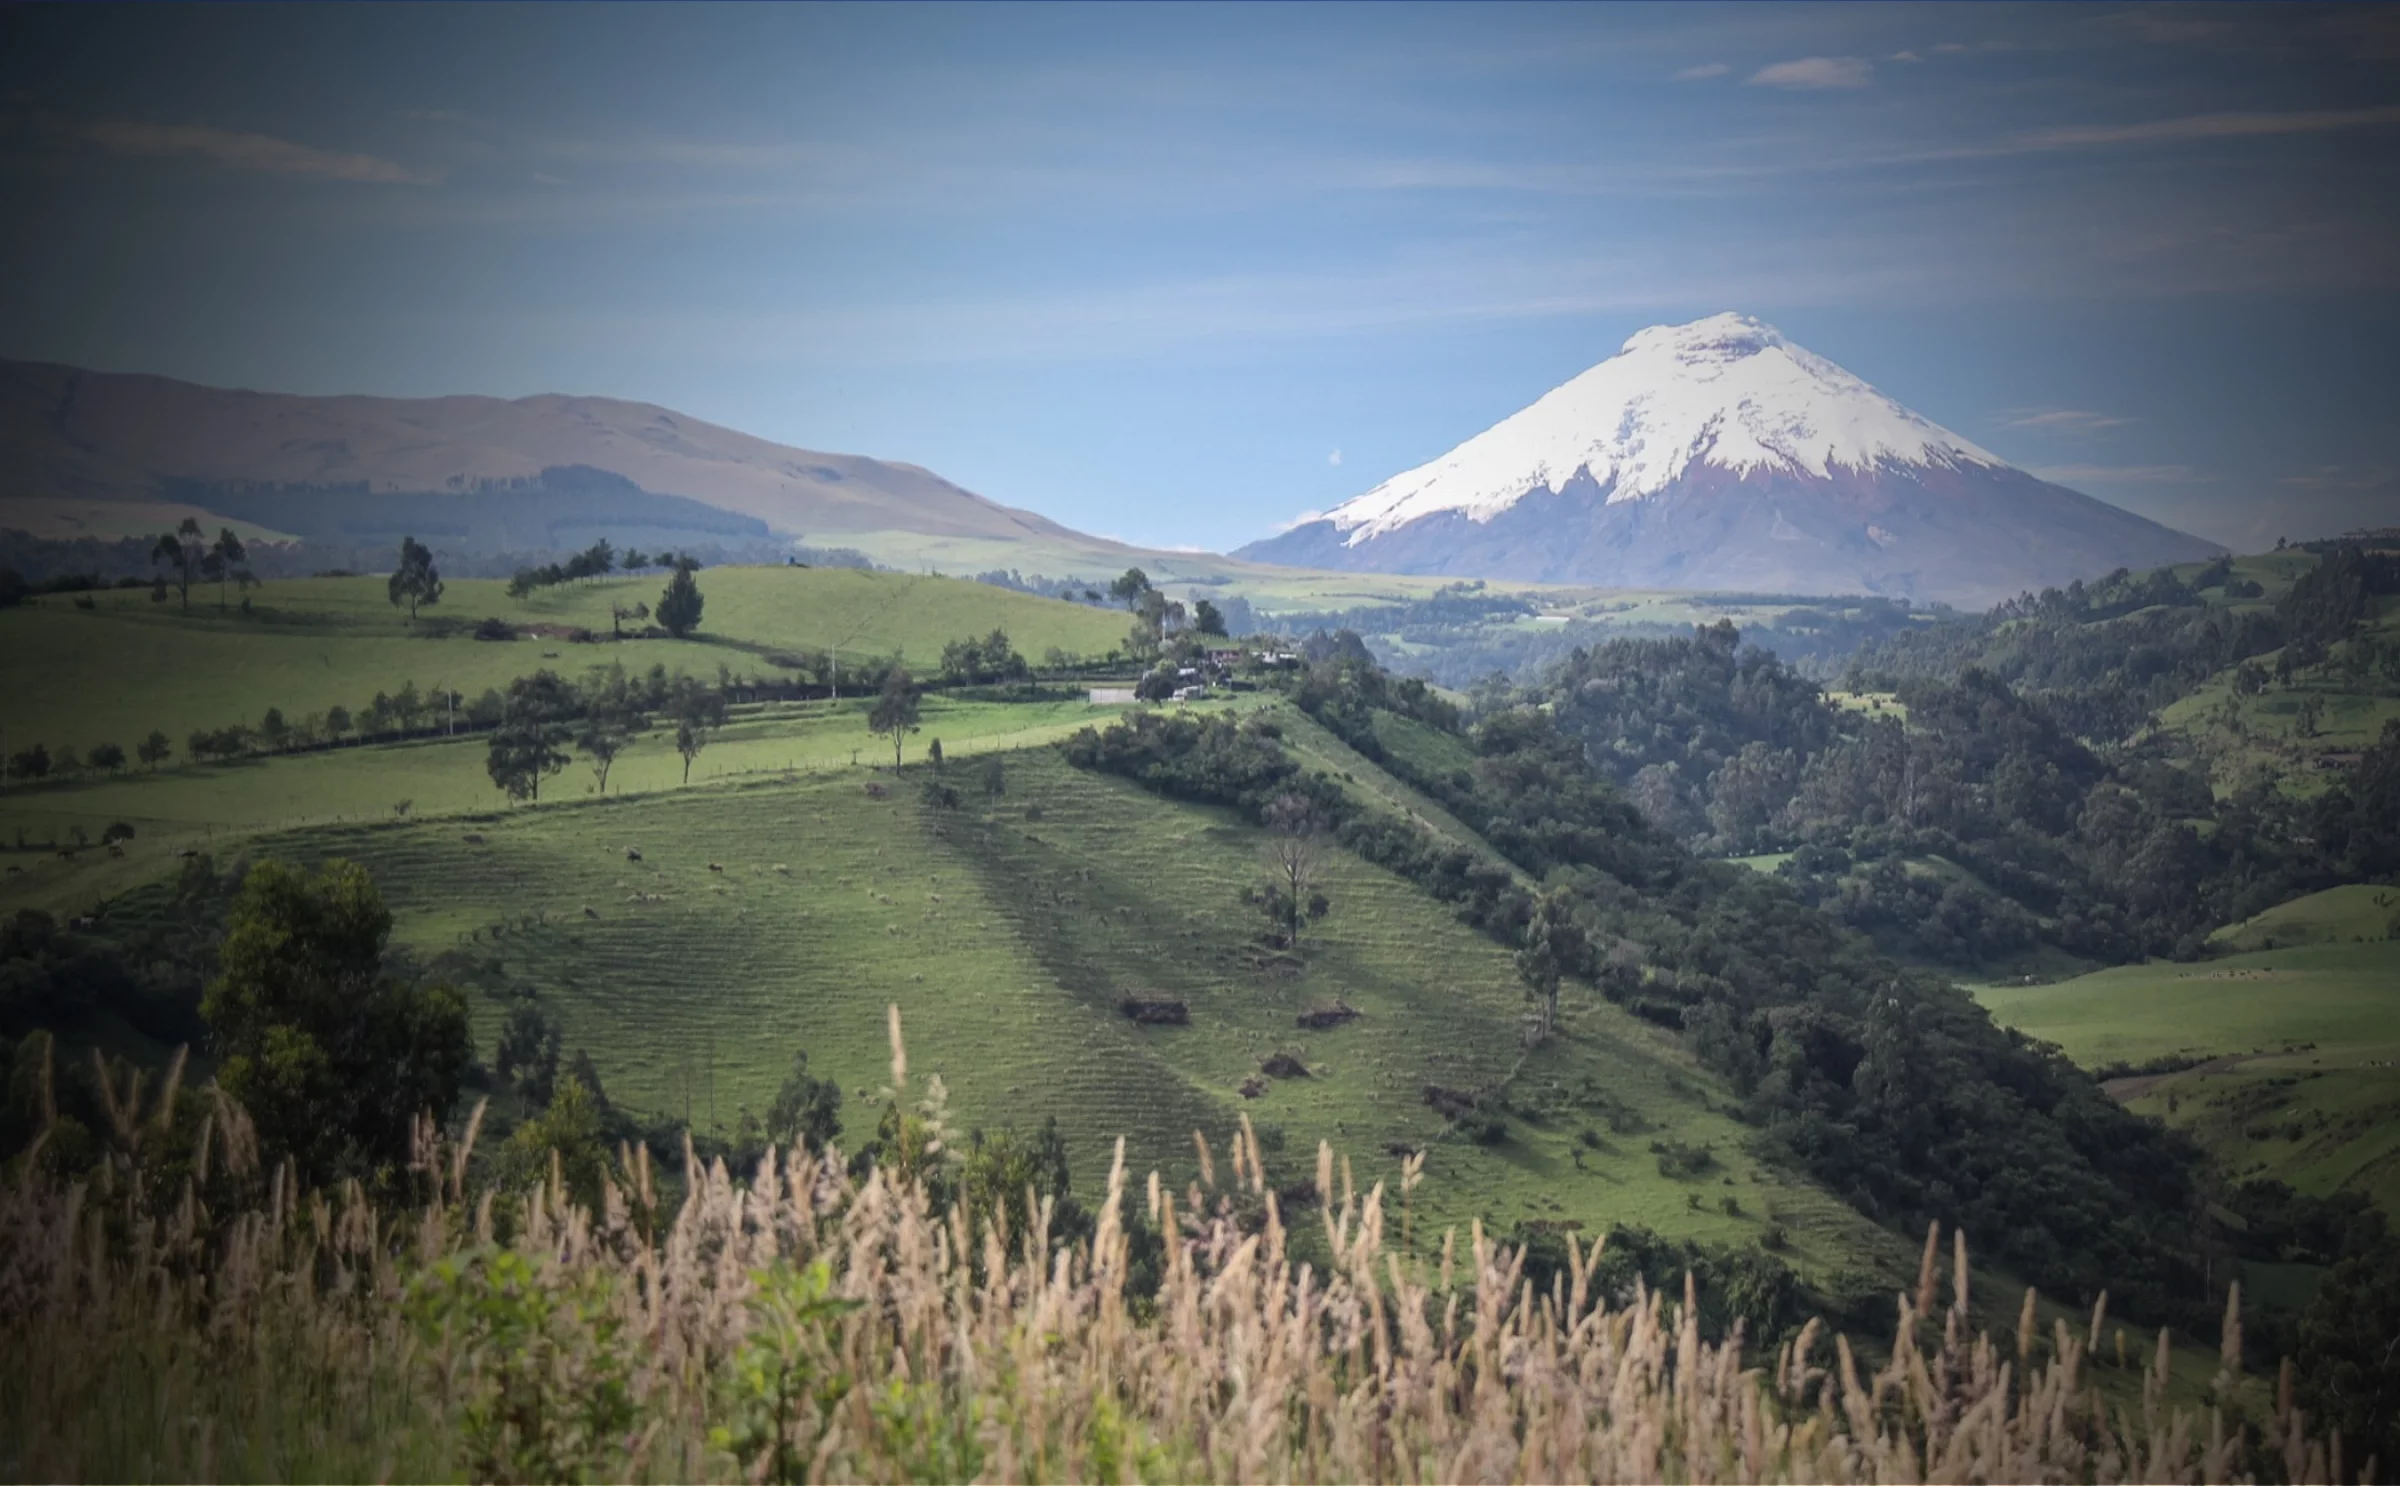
83,452
1710,455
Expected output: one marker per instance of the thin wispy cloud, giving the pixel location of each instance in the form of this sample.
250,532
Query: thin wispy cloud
1334,459
2061,420
2123,474
1703,71
2185,129
773,156
2339,477
2209,126
1810,73
263,153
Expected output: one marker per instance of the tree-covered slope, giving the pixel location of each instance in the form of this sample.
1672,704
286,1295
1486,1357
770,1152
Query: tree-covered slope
1890,1086
2003,793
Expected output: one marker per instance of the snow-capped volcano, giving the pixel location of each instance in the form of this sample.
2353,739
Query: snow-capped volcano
1728,391
1719,454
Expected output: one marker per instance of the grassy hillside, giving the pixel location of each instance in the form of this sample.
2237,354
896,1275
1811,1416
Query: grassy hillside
1006,930
210,804
1006,927
127,665
2334,995
2357,913
2282,1063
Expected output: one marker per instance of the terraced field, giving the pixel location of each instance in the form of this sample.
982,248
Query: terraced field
211,804
114,672
1006,929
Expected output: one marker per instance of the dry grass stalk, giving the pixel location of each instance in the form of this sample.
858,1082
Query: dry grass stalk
803,1323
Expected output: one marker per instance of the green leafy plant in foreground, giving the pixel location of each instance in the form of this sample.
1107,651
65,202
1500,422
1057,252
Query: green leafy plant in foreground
787,1364
534,1358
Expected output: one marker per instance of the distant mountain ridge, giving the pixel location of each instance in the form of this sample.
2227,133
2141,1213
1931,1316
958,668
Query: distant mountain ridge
1718,454
331,465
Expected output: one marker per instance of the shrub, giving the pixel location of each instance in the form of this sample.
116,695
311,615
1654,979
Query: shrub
1681,1161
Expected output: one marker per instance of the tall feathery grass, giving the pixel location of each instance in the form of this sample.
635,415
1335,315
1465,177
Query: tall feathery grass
807,1325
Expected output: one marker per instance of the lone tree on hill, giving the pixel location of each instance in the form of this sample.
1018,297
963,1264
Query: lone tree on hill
182,547
1294,858
699,710
333,1056
1129,588
896,710
415,581
227,558
1554,946
611,719
679,605
531,739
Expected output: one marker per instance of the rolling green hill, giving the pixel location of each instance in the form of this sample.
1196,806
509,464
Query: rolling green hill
1006,929
113,672
1729,1058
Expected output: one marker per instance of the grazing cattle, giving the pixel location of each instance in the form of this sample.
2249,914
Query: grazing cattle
590,912
713,867
633,853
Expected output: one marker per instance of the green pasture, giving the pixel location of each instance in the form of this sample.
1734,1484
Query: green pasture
127,665
2356,913
2330,994
2300,1047
206,806
1006,928
2324,1118
848,610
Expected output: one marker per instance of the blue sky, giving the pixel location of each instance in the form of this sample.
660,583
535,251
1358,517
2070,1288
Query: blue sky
1179,274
